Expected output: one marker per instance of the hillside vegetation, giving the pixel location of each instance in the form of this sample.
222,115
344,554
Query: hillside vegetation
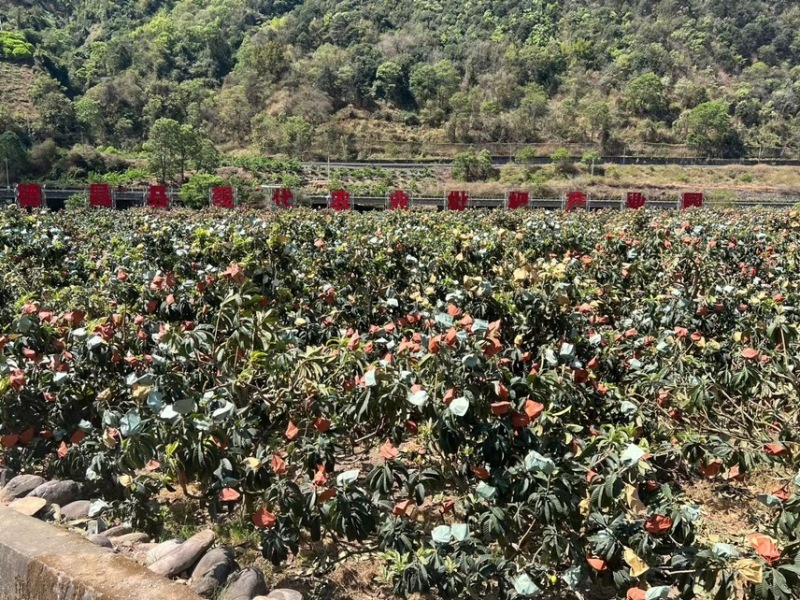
345,78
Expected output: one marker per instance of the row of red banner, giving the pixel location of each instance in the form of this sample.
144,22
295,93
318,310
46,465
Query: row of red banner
30,195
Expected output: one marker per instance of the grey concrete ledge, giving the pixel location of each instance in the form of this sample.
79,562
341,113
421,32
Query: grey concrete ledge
43,562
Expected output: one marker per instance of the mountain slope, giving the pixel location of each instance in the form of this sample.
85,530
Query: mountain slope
343,76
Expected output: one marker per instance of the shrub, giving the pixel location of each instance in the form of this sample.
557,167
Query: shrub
474,166
194,193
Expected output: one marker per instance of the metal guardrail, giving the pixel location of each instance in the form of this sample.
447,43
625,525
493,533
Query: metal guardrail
55,199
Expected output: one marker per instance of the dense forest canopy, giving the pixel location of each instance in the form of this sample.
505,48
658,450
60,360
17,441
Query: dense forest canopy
328,76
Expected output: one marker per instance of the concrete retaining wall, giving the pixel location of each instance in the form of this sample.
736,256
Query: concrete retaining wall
42,562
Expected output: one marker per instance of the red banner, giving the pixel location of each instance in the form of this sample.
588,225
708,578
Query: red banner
692,200
576,200
635,200
29,195
399,200
340,200
283,198
100,195
157,197
457,201
222,197
518,200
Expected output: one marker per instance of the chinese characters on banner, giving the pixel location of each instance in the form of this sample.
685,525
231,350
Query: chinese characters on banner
222,197
29,195
576,200
283,198
457,201
692,200
340,200
398,200
635,200
518,200
157,197
100,195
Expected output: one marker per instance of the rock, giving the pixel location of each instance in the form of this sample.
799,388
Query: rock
282,595
100,540
58,492
6,475
212,571
129,538
119,530
96,526
20,486
75,511
185,556
28,506
51,513
161,550
245,585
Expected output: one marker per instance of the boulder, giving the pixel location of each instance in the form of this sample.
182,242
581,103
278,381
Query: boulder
185,556
281,594
75,511
129,538
20,486
28,506
6,475
212,571
161,550
58,492
119,530
245,585
100,540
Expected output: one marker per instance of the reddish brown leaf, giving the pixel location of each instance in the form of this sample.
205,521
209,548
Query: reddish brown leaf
62,450
388,451
291,431
322,424
501,408
764,546
264,519
775,449
278,465
326,495
712,469
750,353
533,409
320,477
658,524
598,564
27,435
229,495
449,396
401,508
9,441
480,473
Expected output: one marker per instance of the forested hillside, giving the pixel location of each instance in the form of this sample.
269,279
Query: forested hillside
347,78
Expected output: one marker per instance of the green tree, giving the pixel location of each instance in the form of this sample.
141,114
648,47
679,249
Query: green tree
13,155
388,83
562,161
646,96
709,130
473,166
162,147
